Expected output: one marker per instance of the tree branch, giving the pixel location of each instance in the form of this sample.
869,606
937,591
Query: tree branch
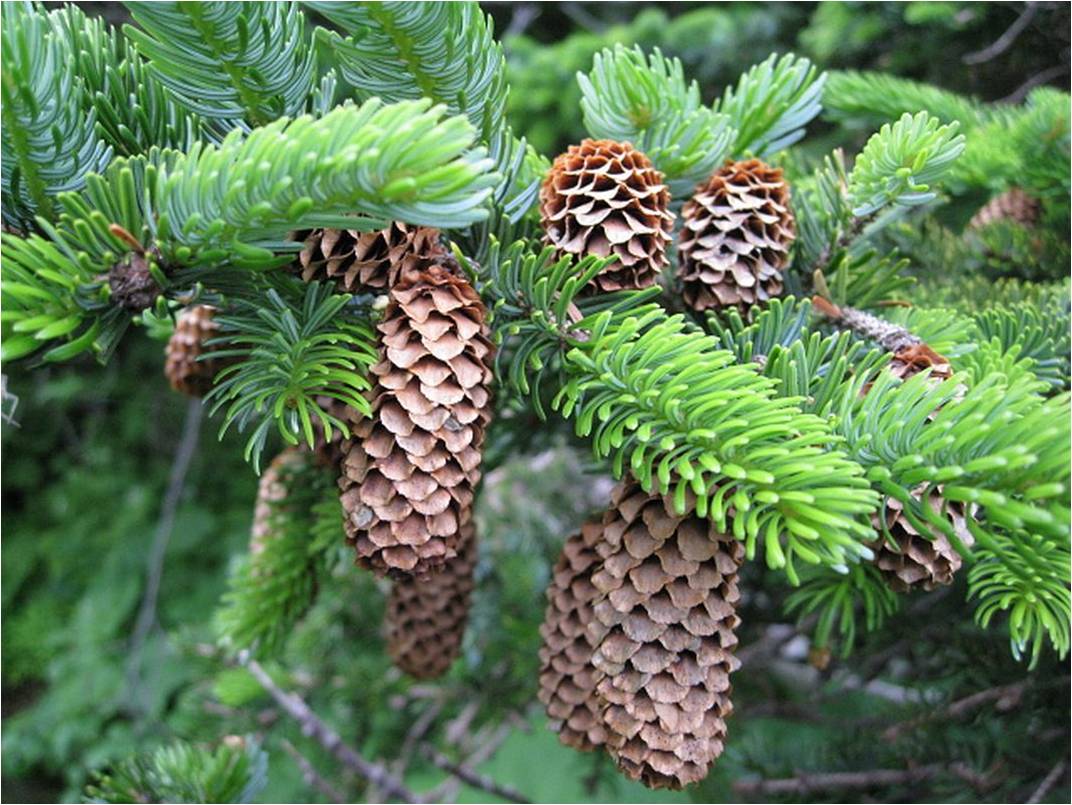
1003,42
473,778
1005,695
310,774
294,706
1048,782
804,784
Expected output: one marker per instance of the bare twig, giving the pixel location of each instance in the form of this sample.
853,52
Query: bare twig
487,742
1050,73
1006,697
146,620
1048,782
1003,42
311,775
523,16
7,414
473,778
804,784
294,706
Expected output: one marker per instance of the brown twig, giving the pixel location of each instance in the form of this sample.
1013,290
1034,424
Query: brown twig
804,784
1006,697
487,742
473,778
311,775
1003,42
1048,782
294,706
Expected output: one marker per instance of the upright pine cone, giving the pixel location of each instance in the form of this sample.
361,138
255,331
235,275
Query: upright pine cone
1012,205
184,371
664,637
919,562
735,237
407,479
426,618
358,261
567,676
604,197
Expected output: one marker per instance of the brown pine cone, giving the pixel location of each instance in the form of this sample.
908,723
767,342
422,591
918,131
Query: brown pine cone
426,618
605,198
408,476
132,285
736,231
1013,205
272,491
567,676
664,637
919,562
329,452
184,371
360,261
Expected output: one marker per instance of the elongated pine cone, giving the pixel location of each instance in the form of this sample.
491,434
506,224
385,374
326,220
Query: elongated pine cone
664,637
605,198
407,478
919,562
426,618
359,261
736,232
567,676
184,371
272,490
1012,205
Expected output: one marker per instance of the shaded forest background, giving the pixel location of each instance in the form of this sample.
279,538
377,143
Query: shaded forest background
107,601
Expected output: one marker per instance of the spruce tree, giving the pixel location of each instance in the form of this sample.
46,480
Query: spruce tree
367,271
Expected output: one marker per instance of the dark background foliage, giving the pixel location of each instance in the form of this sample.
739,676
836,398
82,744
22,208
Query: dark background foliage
88,450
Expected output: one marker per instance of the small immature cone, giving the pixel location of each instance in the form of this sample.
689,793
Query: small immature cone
567,676
735,236
361,261
426,619
664,637
1013,205
132,285
194,327
919,562
407,478
605,198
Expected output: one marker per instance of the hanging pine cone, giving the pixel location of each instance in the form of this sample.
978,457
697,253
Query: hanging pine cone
1013,205
605,198
735,237
664,637
407,478
272,490
360,261
329,451
567,676
919,562
426,618
194,327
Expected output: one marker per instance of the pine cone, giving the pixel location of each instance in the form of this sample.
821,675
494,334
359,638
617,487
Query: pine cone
271,491
919,562
426,619
567,676
360,261
407,479
735,237
1013,205
664,637
184,371
132,284
605,198
329,452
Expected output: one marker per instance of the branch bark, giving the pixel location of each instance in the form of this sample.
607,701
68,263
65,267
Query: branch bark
804,784
1004,42
310,774
294,706
473,778
1048,782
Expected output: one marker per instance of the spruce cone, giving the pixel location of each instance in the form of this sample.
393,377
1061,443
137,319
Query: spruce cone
567,676
407,479
735,237
426,619
919,562
271,491
664,634
132,284
602,198
358,261
329,452
1012,205
184,371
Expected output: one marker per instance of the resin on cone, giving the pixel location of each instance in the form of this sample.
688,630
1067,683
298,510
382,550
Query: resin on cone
407,478
605,198
736,232
426,618
567,676
918,561
194,327
664,637
362,261
1013,205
